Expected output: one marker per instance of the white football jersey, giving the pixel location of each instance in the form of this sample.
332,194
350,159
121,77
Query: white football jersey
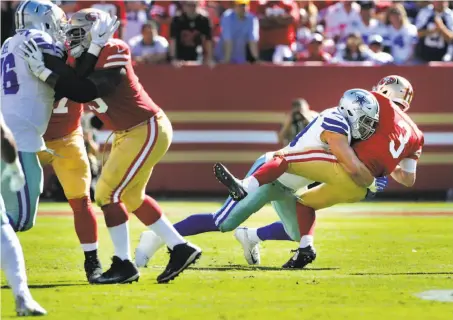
27,102
310,138
401,42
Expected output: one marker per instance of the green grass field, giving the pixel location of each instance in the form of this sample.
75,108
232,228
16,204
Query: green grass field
369,266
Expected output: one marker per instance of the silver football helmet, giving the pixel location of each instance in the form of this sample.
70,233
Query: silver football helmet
397,89
361,109
41,15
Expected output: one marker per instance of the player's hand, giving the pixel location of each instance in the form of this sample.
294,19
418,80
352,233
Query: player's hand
13,171
379,184
30,52
103,29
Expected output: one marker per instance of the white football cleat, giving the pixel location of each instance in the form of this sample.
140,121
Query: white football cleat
147,247
251,248
28,307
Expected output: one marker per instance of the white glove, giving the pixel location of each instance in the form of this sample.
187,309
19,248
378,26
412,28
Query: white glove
101,31
14,172
30,52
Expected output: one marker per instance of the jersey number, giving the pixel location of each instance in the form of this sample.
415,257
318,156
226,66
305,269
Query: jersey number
403,140
9,76
63,108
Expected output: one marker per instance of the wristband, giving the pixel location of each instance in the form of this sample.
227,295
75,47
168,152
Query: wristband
44,74
94,49
372,186
15,166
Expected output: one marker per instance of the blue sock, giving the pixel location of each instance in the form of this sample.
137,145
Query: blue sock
195,224
274,231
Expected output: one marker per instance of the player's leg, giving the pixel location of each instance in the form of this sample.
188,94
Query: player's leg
13,264
21,207
71,166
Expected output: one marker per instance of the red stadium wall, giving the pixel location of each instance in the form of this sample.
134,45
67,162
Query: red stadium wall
232,113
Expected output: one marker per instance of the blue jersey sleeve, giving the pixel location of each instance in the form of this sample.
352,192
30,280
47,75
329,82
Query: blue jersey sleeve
335,122
46,43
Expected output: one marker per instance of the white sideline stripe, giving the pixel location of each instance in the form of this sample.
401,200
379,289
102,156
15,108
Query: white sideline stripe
119,56
138,163
116,64
310,155
261,137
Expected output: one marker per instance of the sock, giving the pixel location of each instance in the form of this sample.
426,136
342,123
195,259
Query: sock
116,219
85,223
149,211
164,229
90,254
271,171
12,261
250,184
195,224
274,231
306,218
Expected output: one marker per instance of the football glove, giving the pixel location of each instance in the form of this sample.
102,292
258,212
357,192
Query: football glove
101,31
13,171
30,52
378,185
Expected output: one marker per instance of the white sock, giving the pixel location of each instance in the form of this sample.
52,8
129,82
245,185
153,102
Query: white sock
306,241
12,262
250,184
252,233
120,239
164,229
89,246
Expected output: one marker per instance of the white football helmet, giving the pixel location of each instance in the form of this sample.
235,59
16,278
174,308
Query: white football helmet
41,15
397,89
78,30
361,109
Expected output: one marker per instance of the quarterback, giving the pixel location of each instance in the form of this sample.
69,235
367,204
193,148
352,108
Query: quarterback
284,191
143,135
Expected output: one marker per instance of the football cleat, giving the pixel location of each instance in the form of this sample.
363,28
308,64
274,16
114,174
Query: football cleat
28,307
93,268
301,258
251,248
121,271
182,256
233,184
148,245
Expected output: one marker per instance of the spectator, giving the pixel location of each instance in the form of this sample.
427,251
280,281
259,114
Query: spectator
296,121
340,17
136,16
435,30
378,56
114,7
163,12
189,31
307,25
367,25
314,51
400,34
278,23
354,50
239,35
149,47
8,9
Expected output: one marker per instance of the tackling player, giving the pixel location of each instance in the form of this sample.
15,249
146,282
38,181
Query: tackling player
143,134
12,257
393,149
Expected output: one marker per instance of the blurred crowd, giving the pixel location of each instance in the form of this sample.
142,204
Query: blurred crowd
235,32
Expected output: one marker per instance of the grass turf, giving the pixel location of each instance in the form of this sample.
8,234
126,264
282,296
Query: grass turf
368,267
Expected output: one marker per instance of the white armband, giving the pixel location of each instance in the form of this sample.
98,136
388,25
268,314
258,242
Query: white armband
45,74
408,165
94,49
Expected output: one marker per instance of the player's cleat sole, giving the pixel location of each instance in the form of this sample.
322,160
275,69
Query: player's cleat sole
233,185
301,258
28,307
120,272
148,245
251,248
181,257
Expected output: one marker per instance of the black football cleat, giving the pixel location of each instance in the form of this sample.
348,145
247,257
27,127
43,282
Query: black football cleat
233,184
93,268
301,258
182,256
121,271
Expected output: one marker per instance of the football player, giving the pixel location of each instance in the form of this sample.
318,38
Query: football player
143,134
12,257
27,102
393,149
285,191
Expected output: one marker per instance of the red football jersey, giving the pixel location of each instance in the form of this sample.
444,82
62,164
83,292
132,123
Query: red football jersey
65,118
396,138
129,104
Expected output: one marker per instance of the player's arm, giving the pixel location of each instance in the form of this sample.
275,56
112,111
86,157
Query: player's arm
340,148
402,176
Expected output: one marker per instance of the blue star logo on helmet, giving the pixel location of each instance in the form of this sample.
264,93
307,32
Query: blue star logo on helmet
360,99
